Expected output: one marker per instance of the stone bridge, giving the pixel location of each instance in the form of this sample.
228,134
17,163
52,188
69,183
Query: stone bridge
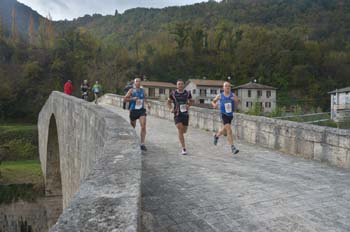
287,177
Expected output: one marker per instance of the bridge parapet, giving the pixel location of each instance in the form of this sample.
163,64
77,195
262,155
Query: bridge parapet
324,144
91,157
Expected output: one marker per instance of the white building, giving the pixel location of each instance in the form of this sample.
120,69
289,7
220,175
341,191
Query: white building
203,91
251,93
157,90
340,104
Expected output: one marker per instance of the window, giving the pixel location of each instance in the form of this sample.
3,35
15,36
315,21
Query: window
267,104
151,92
161,91
259,93
193,91
268,93
248,104
249,93
213,91
203,92
201,101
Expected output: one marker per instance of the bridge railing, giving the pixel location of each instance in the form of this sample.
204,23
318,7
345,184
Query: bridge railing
320,143
96,161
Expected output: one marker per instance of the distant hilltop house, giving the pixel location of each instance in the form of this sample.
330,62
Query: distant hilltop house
340,104
157,90
253,92
203,91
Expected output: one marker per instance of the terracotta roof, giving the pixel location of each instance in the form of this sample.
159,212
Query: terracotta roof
158,84
200,82
347,89
252,85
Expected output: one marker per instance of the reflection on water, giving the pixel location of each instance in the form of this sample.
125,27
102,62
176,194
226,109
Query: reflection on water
36,216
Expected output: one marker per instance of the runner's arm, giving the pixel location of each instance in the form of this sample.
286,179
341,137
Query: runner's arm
236,99
189,100
146,102
214,101
127,97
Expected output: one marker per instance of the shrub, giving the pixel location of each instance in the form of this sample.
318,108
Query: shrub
18,149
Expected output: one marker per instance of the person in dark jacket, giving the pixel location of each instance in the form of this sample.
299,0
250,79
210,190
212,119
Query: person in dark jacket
126,90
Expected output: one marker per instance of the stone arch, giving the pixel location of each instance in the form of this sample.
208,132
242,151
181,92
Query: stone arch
53,184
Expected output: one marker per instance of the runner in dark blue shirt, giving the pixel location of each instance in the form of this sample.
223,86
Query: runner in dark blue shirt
181,99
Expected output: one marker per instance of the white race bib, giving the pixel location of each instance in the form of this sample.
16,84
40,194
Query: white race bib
139,104
228,107
183,108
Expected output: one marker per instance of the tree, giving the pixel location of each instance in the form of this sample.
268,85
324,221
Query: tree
31,31
46,32
181,33
198,39
14,32
1,28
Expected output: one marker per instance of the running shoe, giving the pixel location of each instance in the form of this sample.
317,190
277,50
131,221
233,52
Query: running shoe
183,151
143,147
234,149
215,139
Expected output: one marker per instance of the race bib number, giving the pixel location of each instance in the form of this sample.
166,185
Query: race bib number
228,107
183,108
139,104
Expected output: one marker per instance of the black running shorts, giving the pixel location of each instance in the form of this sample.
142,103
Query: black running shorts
226,119
181,118
136,114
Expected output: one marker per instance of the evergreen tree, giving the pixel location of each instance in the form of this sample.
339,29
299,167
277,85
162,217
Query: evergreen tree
31,31
14,31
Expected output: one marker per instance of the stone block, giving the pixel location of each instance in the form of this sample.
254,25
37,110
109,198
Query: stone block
332,139
305,148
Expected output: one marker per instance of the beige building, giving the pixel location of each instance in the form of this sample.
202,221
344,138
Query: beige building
157,90
203,91
340,104
253,92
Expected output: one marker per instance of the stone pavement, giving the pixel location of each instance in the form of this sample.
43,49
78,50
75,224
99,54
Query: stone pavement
256,190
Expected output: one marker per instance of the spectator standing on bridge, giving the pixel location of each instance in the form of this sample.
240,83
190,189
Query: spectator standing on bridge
68,87
84,89
227,100
137,99
181,99
97,90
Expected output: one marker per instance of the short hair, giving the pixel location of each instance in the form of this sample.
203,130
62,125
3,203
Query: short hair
137,78
226,82
180,80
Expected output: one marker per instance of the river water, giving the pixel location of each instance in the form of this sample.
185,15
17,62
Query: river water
36,216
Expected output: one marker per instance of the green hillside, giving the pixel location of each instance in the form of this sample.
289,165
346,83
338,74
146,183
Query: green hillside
300,47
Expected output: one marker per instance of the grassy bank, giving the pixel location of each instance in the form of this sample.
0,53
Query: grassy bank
21,180
18,142
20,171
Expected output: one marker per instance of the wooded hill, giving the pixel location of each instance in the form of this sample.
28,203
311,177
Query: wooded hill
302,47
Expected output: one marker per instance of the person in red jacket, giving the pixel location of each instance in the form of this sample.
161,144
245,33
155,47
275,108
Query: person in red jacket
68,87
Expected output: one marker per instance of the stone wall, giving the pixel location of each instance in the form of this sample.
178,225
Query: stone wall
309,141
91,157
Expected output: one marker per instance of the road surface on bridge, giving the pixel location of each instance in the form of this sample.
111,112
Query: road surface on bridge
256,190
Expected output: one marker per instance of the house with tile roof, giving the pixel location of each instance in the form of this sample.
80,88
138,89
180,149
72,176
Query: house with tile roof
252,92
157,90
203,91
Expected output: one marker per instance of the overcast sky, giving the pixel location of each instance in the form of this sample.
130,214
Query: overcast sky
63,9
